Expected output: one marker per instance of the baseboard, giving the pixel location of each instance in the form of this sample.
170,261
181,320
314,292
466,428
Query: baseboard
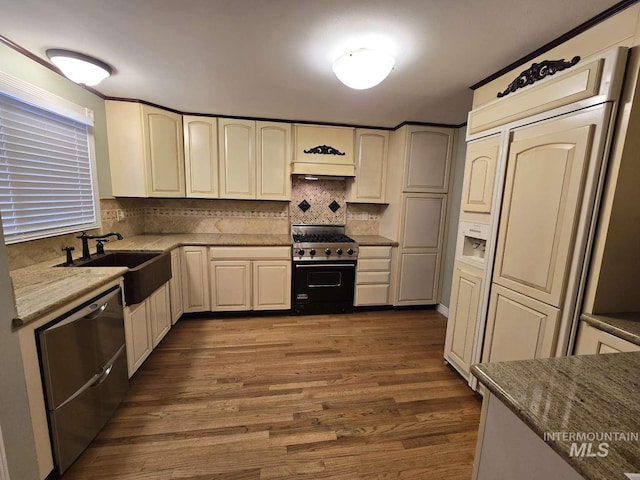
443,310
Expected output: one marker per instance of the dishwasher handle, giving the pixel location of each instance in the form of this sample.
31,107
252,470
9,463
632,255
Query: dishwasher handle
90,312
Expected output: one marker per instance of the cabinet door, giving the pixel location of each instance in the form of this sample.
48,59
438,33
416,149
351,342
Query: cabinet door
237,158
369,185
423,218
159,314
428,159
479,175
518,327
541,207
466,287
195,279
201,156
175,286
137,330
164,152
230,285
271,285
273,158
591,341
417,284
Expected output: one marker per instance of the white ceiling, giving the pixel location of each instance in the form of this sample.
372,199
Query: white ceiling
272,58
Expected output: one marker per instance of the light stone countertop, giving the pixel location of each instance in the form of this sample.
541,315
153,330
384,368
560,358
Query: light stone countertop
373,240
623,325
42,288
587,393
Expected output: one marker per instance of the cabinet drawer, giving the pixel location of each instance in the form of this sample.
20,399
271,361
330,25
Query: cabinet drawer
258,253
374,252
372,277
372,295
374,264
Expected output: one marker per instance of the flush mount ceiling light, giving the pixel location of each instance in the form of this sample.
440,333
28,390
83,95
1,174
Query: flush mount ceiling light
363,68
78,67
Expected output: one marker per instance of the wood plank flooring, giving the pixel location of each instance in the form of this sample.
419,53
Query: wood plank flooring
359,396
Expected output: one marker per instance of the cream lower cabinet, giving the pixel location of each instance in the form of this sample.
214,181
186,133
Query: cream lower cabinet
271,285
230,285
519,327
373,276
145,324
195,279
592,340
250,278
466,289
175,286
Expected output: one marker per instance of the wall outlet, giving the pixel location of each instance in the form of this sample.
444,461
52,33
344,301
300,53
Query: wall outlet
120,214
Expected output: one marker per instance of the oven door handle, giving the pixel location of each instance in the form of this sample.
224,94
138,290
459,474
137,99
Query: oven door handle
353,265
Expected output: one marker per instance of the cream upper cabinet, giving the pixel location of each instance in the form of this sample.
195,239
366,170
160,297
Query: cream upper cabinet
519,327
145,150
230,285
273,161
195,279
254,160
428,159
542,198
201,156
237,158
369,185
464,307
479,175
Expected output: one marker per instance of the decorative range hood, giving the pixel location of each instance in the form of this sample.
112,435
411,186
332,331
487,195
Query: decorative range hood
323,151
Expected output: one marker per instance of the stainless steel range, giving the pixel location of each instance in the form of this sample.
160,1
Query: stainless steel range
324,269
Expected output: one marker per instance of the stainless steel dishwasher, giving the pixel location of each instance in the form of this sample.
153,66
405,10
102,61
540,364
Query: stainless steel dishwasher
84,370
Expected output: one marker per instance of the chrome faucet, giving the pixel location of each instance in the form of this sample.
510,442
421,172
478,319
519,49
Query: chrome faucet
86,255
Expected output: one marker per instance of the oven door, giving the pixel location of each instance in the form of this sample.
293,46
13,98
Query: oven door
323,286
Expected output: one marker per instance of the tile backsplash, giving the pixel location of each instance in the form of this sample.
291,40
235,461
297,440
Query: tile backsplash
153,215
319,194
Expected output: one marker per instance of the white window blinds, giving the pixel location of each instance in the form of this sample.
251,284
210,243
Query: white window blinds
46,180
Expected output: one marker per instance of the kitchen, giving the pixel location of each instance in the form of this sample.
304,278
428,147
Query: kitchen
196,216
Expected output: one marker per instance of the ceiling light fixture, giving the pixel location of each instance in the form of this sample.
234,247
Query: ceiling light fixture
78,67
363,68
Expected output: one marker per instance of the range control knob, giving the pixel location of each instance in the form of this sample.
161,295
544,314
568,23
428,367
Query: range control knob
327,251
312,252
350,251
339,251
301,252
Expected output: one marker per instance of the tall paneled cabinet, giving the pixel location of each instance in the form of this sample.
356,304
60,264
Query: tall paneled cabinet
417,187
534,171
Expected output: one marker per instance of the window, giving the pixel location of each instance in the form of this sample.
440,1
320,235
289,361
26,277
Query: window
46,164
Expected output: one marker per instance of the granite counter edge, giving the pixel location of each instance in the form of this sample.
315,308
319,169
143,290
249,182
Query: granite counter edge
600,323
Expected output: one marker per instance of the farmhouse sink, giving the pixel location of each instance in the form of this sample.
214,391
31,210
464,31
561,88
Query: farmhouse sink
147,271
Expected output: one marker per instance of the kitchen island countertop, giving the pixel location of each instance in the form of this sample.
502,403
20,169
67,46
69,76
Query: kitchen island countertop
623,325
578,394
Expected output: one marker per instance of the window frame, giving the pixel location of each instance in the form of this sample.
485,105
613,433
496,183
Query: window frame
38,97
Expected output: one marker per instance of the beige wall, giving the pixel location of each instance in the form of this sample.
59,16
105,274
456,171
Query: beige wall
455,197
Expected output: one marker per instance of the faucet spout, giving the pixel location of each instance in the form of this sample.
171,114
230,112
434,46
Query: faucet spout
86,255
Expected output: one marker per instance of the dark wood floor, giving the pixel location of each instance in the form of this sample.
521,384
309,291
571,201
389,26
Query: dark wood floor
360,396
